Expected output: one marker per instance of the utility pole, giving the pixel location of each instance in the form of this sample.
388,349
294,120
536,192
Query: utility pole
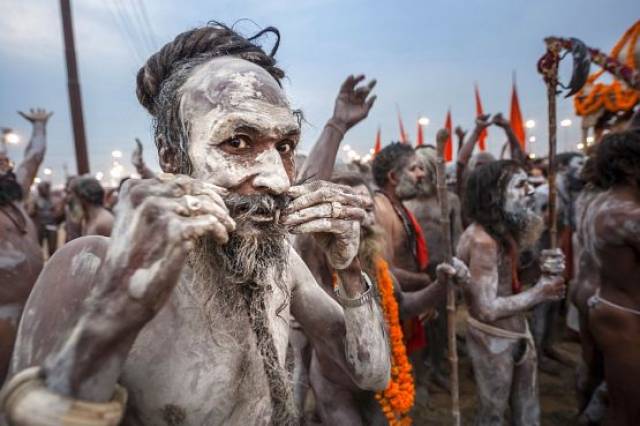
75,101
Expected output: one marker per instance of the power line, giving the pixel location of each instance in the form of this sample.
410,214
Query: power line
121,25
142,10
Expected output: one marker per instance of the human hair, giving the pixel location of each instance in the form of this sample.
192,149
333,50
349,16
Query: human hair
564,158
617,159
392,157
484,195
160,79
89,190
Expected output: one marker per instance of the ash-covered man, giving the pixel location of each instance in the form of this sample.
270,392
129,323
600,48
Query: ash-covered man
188,304
499,203
86,207
426,208
20,253
610,232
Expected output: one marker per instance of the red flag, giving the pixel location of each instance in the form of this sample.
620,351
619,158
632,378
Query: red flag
403,134
378,146
515,118
420,135
483,136
448,148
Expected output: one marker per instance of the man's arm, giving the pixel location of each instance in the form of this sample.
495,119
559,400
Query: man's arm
517,153
353,337
483,285
455,218
35,150
482,122
138,162
352,106
411,281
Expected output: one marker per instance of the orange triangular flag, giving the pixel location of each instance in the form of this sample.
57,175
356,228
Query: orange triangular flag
378,145
403,134
420,135
448,148
515,118
483,135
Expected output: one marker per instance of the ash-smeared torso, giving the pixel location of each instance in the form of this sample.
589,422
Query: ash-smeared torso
196,362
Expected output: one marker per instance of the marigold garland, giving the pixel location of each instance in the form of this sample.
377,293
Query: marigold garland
398,398
613,97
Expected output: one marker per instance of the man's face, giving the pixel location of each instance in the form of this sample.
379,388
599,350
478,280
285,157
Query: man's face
575,167
242,132
5,163
409,177
518,197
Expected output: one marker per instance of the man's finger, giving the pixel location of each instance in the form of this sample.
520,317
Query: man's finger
326,210
324,225
370,102
195,227
326,195
347,85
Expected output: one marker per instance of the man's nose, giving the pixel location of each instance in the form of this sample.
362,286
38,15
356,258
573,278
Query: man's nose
420,174
270,174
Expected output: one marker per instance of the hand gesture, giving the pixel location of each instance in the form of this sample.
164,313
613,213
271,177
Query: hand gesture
136,155
483,121
353,103
460,132
36,115
500,121
157,222
332,213
552,265
457,271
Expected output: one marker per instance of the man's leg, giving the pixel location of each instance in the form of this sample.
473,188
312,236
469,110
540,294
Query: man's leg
525,406
492,359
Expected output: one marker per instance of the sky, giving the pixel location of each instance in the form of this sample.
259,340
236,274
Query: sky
426,56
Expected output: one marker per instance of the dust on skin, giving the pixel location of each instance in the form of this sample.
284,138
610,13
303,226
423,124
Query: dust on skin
177,349
84,263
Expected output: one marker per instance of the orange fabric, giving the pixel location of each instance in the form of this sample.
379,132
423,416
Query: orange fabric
420,137
448,148
515,118
483,135
378,145
516,285
398,398
403,134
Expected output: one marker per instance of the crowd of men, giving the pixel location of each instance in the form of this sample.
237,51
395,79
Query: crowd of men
246,284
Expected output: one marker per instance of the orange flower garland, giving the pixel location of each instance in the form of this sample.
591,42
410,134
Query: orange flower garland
397,399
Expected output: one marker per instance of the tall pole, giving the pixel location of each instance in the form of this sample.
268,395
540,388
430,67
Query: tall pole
441,141
73,83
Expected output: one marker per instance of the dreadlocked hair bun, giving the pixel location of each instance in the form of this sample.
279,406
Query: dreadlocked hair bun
197,46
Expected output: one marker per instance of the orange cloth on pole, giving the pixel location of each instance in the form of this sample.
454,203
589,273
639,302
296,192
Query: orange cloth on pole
403,134
420,136
448,148
378,145
515,118
483,135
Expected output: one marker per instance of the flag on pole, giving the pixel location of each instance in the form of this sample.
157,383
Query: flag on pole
483,135
448,148
515,118
420,135
378,145
403,134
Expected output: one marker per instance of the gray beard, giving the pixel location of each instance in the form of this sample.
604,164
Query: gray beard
243,270
406,189
526,228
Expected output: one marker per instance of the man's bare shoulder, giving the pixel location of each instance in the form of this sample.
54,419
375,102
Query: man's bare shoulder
382,203
475,238
615,210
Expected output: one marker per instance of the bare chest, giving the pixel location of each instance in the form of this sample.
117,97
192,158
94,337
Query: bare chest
190,366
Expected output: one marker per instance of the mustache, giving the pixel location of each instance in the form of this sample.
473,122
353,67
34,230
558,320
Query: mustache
244,206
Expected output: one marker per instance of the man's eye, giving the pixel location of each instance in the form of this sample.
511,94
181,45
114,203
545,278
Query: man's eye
238,143
285,147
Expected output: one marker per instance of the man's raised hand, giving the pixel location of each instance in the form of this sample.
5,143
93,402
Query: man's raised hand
484,121
136,155
36,115
353,102
500,121
332,213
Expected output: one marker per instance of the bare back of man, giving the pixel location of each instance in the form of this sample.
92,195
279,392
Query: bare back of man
614,312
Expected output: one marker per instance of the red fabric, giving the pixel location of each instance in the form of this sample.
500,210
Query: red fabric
420,137
378,146
414,335
422,252
448,148
566,245
516,285
403,134
483,135
515,118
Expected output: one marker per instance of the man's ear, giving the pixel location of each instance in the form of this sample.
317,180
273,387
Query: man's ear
392,177
167,156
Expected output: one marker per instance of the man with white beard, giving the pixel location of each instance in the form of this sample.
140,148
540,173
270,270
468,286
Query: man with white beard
186,307
499,201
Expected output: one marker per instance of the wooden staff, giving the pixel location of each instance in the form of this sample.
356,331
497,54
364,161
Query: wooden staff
550,73
441,138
